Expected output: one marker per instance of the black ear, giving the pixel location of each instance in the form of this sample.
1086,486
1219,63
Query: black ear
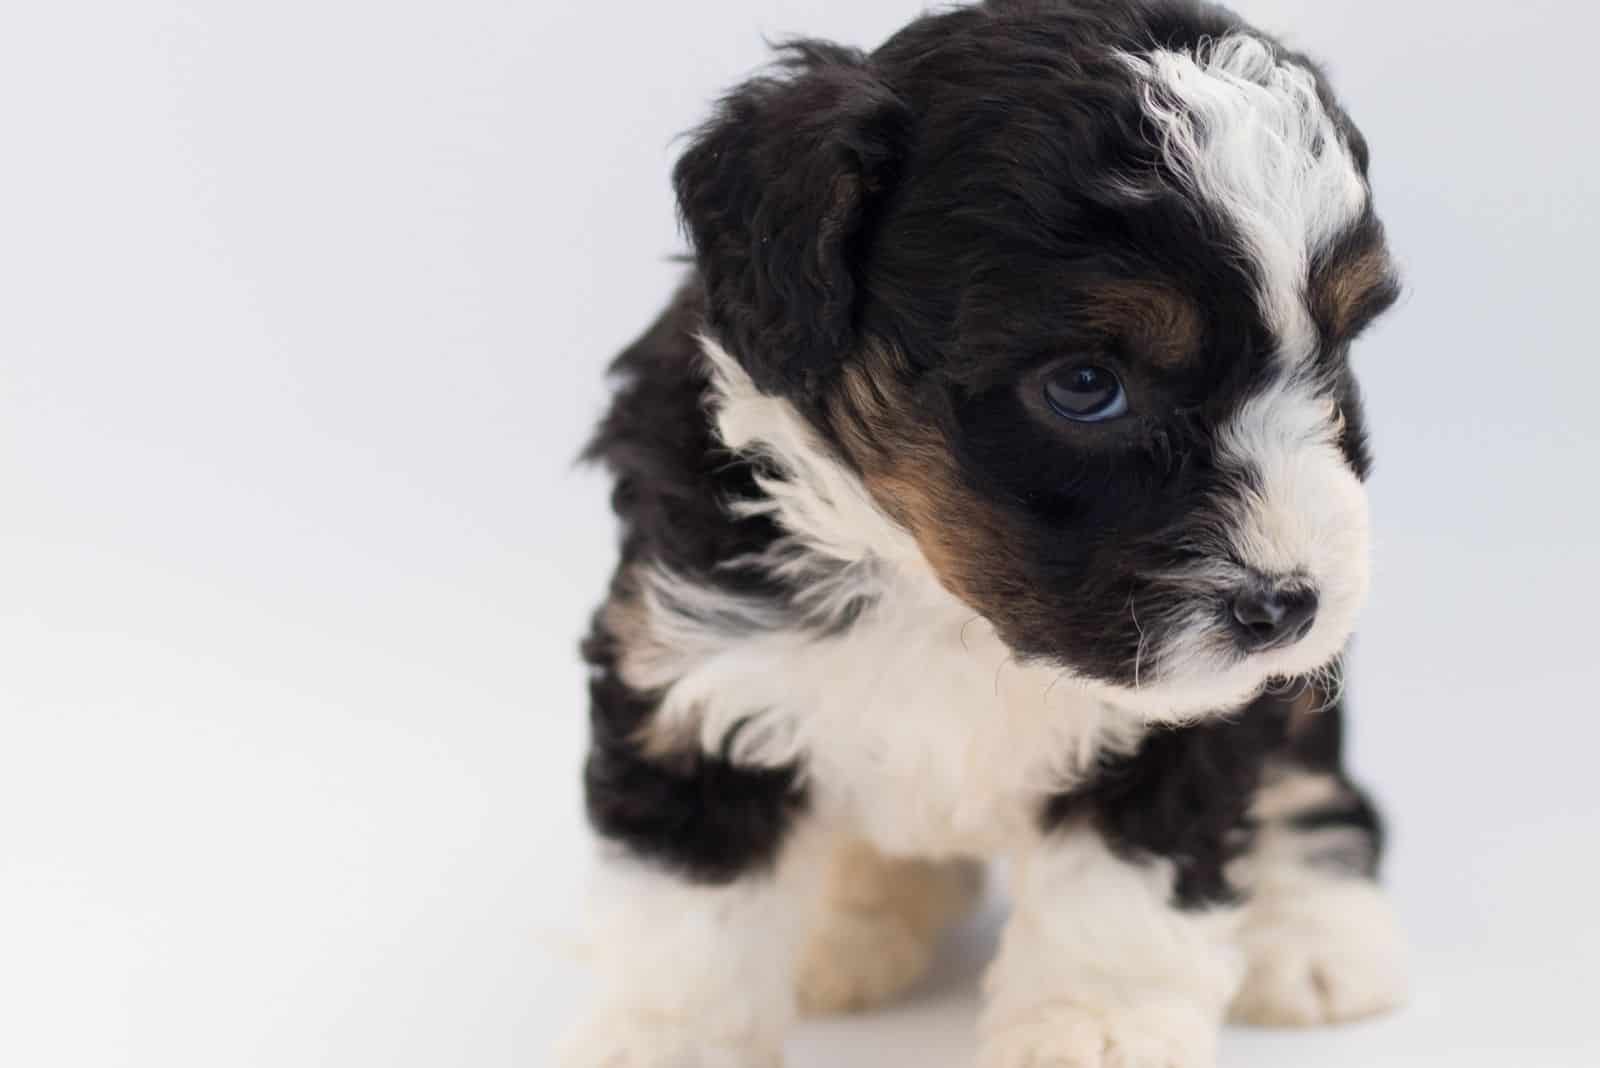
777,193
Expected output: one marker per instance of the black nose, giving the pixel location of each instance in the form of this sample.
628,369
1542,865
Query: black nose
1270,615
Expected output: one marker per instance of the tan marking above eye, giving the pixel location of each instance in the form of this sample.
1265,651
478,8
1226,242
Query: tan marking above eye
1348,290
1160,323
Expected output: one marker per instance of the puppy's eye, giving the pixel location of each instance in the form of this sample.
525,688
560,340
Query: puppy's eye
1086,394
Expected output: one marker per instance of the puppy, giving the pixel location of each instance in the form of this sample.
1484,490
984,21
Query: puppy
993,488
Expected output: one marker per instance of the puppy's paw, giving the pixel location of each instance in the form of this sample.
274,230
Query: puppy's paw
1308,981
1327,958
613,1042
880,931
1072,1036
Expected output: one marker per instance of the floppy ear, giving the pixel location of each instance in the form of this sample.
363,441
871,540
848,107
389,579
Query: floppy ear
777,192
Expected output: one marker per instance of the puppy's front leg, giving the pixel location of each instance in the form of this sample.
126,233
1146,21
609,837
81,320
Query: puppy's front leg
1322,940
695,975
1100,968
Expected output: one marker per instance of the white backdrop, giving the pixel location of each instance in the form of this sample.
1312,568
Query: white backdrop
303,309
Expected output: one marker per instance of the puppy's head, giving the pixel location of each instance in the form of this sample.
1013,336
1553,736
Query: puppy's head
1071,287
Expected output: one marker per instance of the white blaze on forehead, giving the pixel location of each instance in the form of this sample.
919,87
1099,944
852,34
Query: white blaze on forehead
1247,132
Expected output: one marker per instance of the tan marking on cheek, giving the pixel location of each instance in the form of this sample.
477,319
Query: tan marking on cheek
1341,292
909,470
936,522
1160,323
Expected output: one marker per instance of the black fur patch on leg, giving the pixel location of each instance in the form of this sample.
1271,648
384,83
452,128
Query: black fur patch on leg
1183,796
1186,794
695,813
1315,746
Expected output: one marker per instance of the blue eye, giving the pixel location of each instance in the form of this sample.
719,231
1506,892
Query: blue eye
1086,394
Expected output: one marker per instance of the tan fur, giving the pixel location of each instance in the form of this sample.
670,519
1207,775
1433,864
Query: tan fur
1159,323
881,923
1287,792
645,655
1339,291
625,617
909,469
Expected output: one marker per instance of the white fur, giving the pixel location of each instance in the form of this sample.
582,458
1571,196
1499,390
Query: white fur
917,727
1323,944
1322,950
1098,970
1246,130
823,506
696,977
1309,516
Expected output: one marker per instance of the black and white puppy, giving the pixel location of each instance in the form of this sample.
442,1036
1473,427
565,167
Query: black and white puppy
993,488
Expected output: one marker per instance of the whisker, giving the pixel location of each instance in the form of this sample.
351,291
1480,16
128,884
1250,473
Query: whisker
997,670
964,627
1138,650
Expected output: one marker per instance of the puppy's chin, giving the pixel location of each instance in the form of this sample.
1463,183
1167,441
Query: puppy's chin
1203,674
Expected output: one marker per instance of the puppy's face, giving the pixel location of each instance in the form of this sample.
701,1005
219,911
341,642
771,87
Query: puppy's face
1077,303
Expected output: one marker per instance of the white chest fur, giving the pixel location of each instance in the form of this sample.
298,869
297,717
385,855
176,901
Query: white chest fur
927,736
915,726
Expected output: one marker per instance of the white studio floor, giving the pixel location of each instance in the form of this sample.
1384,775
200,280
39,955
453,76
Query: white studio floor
305,312
353,839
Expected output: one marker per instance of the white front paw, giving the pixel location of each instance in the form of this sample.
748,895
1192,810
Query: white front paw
1327,958
1076,1036
1304,982
616,1042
